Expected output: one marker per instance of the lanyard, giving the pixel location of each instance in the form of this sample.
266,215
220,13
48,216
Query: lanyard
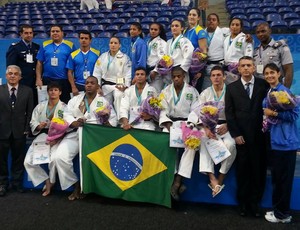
133,44
50,113
176,98
109,60
209,38
85,58
55,47
215,95
139,96
86,103
174,43
149,46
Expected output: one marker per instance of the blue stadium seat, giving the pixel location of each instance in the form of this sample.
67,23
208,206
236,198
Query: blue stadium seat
290,16
131,20
68,29
139,15
278,24
273,17
97,29
12,23
130,10
24,22
112,29
81,27
39,29
143,9
145,28
24,17
11,30
73,16
294,24
169,35
119,21
104,35
246,25
71,35
61,17
13,17
251,11
125,28
91,22
284,10
255,23
241,16
235,12
279,4
294,3
50,22
264,5
11,35
48,16
99,16
163,20
167,14
105,22
148,20
270,10
112,16
64,22
152,14
125,15
122,34
180,14
118,10
77,22
41,35
93,11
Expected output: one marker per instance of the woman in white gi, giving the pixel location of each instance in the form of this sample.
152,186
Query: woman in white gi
132,101
113,70
81,109
216,92
156,48
180,49
40,121
235,45
180,99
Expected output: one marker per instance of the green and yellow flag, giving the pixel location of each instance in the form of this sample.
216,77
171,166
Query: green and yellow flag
134,165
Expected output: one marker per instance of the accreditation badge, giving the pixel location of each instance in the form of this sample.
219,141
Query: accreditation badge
260,68
54,61
29,58
86,74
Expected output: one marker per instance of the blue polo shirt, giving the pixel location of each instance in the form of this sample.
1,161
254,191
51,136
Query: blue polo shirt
80,62
50,50
195,34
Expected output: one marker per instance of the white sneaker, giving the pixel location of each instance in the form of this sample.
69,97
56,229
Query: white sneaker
270,212
272,218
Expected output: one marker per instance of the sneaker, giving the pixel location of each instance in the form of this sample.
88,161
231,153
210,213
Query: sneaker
270,213
272,218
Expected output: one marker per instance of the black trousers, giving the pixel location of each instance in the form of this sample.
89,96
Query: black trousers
250,173
65,85
18,152
282,167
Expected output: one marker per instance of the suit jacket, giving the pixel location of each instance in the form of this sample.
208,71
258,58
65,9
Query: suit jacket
16,55
15,120
244,116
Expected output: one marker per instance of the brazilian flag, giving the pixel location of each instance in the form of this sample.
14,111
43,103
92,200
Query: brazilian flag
134,165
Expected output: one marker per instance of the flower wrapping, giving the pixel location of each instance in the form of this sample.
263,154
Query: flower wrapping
57,129
199,60
165,65
233,67
209,114
278,101
102,114
152,106
191,137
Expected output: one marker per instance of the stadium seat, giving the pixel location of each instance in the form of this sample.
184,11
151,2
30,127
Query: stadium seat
24,22
48,17
130,10
294,3
169,35
73,16
91,22
118,10
112,16
99,16
125,15
11,35
148,20
143,9
131,20
71,35
119,21
241,16
251,11
180,14
77,22
11,30
112,29
285,10
105,22
125,28
64,22
163,20
97,29
50,22
294,24
39,29
270,10
41,35
122,35
61,17
139,15
24,17
68,29
279,4
12,23
104,35
81,27
255,23
290,16
235,12
246,25
273,17
278,24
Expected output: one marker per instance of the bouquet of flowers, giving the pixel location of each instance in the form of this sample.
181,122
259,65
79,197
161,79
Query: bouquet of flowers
165,65
102,114
209,114
191,137
152,106
199,60
232,74
279,101
57,129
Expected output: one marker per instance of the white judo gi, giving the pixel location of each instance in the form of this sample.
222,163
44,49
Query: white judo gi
156,48
67,146
90,4
206,164
109,69
181,50
108,4
130,105
185,2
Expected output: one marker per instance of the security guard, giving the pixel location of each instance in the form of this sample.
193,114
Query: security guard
271,51
23,54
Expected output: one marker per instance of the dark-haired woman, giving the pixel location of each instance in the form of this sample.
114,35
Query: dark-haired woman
284,142
156,47
138,48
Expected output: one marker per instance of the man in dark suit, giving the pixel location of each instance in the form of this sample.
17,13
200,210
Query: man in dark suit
244,115
16,104
23,54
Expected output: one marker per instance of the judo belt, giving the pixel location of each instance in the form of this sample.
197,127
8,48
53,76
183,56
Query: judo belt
214,62
220,122
44,131
178,119
104,82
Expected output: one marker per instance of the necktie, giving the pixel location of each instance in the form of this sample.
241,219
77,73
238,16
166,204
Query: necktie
13,97
248,88
29,46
